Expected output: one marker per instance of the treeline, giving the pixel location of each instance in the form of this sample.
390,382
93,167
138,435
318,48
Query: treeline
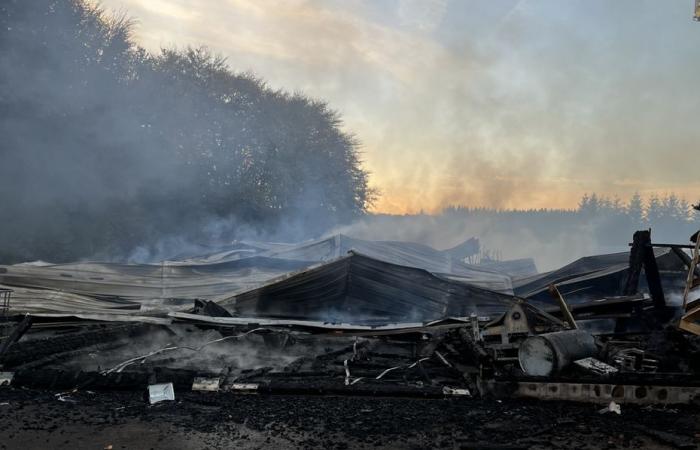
107,148
609,219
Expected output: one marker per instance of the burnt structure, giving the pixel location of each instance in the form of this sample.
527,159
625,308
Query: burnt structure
353,317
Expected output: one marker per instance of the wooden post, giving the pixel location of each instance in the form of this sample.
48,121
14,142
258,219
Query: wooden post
566,313
15,335
642,255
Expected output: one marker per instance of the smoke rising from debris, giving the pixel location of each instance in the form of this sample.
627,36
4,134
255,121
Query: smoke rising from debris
109,151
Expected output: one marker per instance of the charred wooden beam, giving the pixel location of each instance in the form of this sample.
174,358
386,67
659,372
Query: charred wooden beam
565,311
604,308
651,270
655,244
642,255
22,327
683,256
639,241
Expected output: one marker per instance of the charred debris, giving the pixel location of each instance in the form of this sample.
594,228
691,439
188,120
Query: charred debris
353,317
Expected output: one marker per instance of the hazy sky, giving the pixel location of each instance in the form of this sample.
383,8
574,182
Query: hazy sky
500,103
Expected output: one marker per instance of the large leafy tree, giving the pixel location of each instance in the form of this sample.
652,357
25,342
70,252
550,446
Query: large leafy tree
107,148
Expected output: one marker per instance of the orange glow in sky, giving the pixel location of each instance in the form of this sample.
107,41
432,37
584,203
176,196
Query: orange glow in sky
501,103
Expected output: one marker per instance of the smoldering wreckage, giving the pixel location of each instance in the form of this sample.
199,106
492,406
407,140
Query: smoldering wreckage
348,317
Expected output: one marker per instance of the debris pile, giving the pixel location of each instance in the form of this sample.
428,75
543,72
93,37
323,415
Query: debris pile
351,317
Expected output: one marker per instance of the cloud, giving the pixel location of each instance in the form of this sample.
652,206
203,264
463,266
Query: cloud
502,103
423,15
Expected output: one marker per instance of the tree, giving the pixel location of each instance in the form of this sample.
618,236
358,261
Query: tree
107,148
654,209
635,209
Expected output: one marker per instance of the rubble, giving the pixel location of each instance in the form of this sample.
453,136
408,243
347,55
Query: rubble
597,367
596,331
206,384
612,407
6,378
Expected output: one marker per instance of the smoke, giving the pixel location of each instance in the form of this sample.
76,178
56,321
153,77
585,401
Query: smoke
248,353
110,152
561,100
232,356
512,104
506,104
512,238
552,238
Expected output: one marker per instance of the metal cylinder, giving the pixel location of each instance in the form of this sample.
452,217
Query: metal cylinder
547,354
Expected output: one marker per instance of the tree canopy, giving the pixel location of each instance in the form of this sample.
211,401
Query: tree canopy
107,148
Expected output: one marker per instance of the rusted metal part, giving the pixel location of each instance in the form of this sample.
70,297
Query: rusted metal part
502,337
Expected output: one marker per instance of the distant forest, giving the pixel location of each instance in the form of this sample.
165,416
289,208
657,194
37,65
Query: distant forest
553,237
610,222
106,147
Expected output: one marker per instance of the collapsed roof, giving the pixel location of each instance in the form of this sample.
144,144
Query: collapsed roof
591,277
101,287
356,288
410,254
337,279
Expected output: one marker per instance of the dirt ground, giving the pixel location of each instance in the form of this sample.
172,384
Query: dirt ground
97,420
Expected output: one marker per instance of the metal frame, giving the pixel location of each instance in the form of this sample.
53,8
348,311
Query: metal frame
5,301
691,310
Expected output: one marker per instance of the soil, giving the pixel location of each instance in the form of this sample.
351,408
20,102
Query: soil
197,420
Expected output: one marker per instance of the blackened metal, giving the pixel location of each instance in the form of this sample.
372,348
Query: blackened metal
685,258
651,270
549,353
642,255
668,245
5,302
15,335
640,240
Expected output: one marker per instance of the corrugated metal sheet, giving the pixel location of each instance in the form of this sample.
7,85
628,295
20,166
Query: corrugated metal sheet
239,268
34,301
148,284
589,277
358,289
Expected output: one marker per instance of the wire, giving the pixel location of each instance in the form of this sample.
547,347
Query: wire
121,366
402,367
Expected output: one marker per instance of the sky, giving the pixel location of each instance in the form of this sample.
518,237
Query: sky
497,103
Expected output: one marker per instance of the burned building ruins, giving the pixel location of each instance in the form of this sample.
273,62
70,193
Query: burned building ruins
352,317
